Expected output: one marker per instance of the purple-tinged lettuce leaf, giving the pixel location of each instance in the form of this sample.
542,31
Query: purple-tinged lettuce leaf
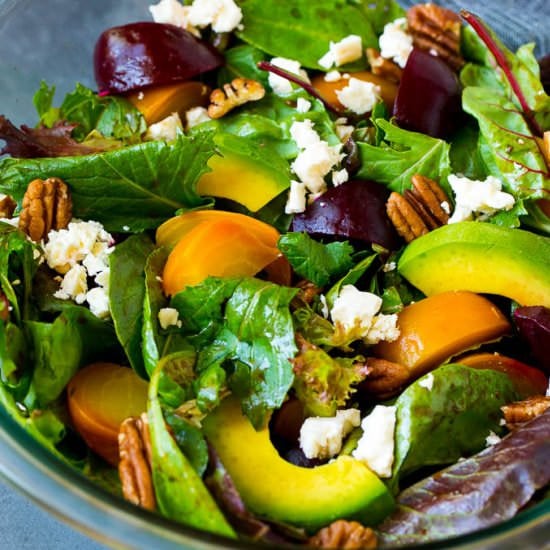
475,493
28,142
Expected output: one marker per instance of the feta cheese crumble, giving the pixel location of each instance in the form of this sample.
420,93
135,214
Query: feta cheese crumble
359,96
169,317
196,116
395,42
339,177
322,437
355,316
316,158
280,85
376,446
296,201
492,439
332,76
303,105
166,129
345,51
475,199
222,15
427,381
174,13
78,252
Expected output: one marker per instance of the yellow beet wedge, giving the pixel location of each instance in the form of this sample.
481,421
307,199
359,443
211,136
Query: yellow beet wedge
434,329
480,257
278,490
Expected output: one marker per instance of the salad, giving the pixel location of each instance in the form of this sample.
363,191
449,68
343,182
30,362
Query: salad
288,283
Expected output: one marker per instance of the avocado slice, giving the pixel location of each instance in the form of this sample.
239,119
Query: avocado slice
244,173
278,490
480,257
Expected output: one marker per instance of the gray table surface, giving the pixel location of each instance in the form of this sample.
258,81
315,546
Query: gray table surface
23,525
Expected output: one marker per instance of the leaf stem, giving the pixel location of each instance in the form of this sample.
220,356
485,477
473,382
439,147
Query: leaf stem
269,67
502,62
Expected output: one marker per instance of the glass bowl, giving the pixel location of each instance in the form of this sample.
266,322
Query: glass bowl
53,40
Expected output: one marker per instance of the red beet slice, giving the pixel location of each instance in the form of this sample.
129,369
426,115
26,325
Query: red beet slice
533,324
353,210
429,96
141,54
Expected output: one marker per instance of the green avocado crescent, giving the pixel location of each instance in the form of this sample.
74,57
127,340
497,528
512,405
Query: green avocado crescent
480,257
278,490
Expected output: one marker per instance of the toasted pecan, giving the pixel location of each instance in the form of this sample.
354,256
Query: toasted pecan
519,412
47,205
384,378
134,467
420,209
341,533
385,68
437,30
7,206
237,92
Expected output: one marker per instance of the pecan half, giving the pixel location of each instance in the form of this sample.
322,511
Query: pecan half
344,534
420,209
7,206
237,92
383,67
436,30
384,379
47,205
544,144
519,412
134,467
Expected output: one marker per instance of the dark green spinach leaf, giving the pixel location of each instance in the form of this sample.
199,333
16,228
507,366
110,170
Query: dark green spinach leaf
315,261
447,414
302,30
402,155
127,293
129,189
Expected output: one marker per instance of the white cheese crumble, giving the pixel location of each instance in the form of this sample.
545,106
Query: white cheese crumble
375,448
359,96
222,15
475,199
166,129
169,317
343,130
174,13
11,221
492,438
427,381
345,51
280,85
332,76
339,177
296,201
196,116
72,245
98,301
314,162
355,315
322,437
395,42
303,105
389,266
78,252
74,285
303,133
